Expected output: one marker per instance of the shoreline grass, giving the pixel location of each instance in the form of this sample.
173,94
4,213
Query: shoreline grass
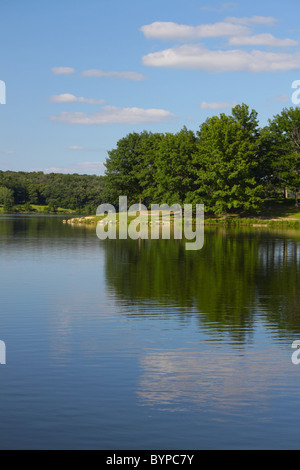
36,209
274,213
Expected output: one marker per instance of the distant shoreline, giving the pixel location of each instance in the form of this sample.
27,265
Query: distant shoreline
37,209
233,221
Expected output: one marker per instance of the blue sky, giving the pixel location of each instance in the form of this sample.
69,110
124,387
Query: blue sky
80,75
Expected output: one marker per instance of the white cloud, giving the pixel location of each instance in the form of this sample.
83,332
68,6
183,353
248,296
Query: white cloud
217,105
114,115
199,58
85,149
90,165
173,31
81,168
62,70
76,147
261,40
69,98
134,76
265,20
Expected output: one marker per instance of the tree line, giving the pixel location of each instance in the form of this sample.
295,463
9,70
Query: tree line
77,192
229,164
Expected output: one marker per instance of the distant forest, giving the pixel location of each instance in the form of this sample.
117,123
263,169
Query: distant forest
230,165
54,190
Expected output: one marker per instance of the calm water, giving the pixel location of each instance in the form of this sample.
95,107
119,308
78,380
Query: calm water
126,345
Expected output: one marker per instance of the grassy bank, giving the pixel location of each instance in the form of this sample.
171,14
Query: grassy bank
35,209
274,213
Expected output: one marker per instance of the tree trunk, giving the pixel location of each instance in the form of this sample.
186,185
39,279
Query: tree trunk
296,199
286,193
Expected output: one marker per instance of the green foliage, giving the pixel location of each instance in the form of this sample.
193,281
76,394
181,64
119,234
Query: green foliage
282,138
28,207
230,165
174,177
218,167
130,168
225,164
6,198
52,205
248,120
75,191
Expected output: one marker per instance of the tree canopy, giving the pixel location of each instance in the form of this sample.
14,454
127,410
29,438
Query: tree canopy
224,165
229,164
77,192
282,140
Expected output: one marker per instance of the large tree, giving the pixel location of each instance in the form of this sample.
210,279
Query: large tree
283,138
225,164
248,120
130,168
174,174
6,197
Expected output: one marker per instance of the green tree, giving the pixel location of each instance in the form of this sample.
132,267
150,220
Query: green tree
149,148
248,120
174,175
6,198
69,191
129,168
283,138
52,205
225,164
28,207
33,194
123,169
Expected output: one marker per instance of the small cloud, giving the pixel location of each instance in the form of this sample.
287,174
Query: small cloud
115,115
261,40
69,98
265,20
76,147
85,149
134,76
166,30
217,105
62,70
91,166
199,58
7,152
85,168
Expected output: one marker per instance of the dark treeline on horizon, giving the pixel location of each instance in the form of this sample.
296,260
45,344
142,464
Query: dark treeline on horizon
230,164
77,192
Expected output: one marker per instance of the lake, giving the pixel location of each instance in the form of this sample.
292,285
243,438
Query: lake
124,344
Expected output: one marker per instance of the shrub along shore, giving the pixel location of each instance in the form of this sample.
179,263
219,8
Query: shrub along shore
274,213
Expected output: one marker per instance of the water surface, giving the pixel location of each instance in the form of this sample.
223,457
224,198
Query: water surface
123,344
